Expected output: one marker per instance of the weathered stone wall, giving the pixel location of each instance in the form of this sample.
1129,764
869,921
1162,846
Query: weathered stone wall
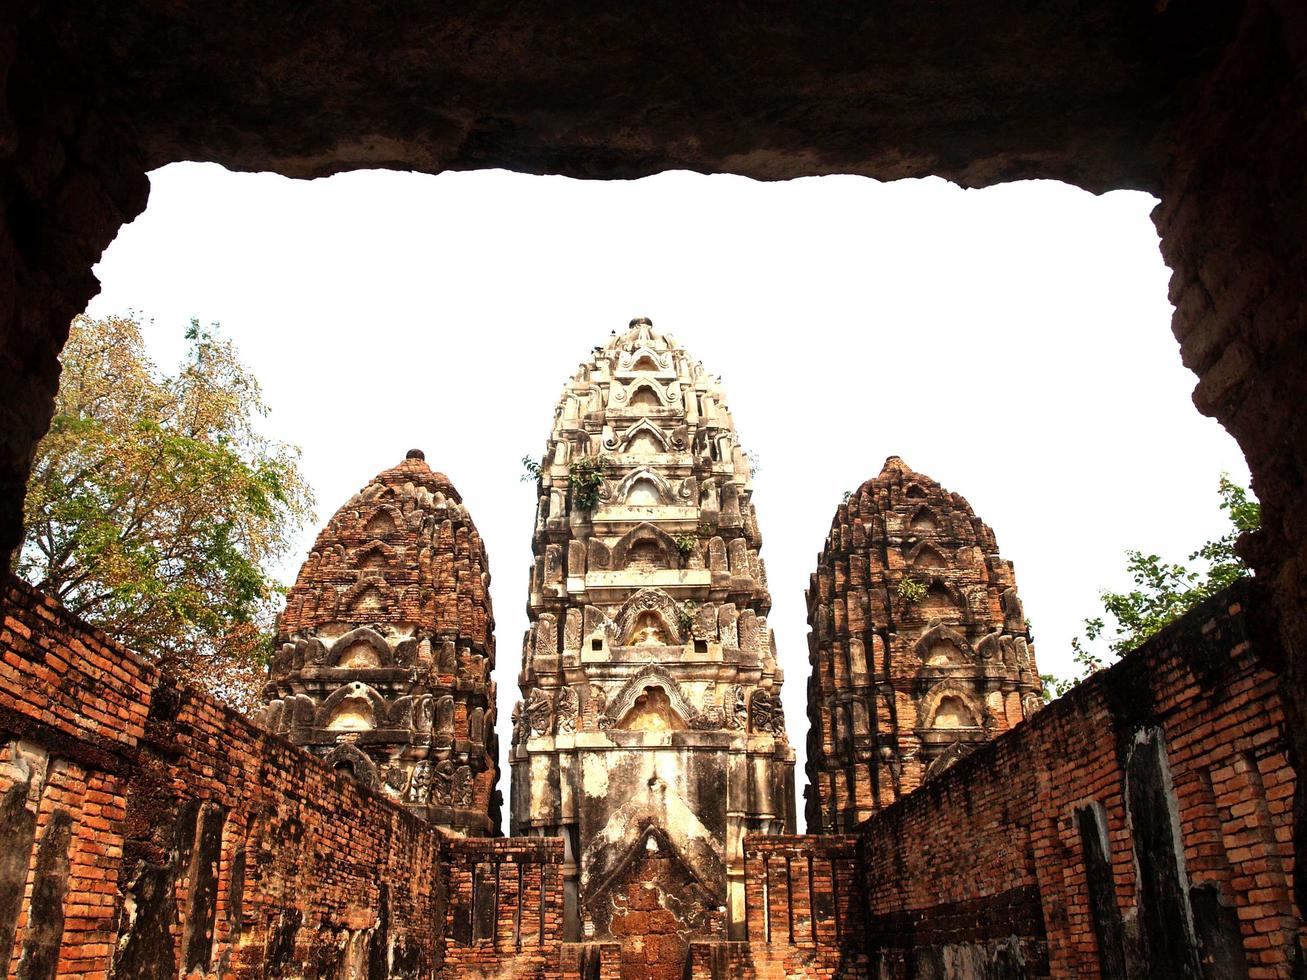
147,831
1139,826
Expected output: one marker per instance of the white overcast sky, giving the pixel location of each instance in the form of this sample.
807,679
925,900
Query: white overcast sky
1013,343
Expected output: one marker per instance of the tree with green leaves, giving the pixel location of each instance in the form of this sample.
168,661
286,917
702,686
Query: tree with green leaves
156,510
1163,592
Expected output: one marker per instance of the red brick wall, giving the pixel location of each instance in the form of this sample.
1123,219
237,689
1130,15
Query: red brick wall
805,912
1142,825
505,907
988,867
180,821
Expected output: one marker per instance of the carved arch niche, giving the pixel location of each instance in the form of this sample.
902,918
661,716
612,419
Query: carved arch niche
644,545
652,712
370,595
360,648
642,439
942,601
386,519
924,519
950,707
648,615
354,707
644,488
925,556
650,701
375,556
645,360
940,646
643,395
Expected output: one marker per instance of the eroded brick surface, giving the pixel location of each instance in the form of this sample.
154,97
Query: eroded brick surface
1140,826
919,646
386,650
1141,823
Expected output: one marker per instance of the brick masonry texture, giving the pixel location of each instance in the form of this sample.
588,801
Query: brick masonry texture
905,683
386,651
1140,826
189,840
1197,103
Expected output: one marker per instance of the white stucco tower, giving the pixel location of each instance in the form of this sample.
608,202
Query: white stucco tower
650,722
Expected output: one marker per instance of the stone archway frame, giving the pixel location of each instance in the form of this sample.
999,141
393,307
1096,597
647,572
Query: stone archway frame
698,874
665,492
365,770
365,582
643,532
627,360
648,600
929,705
939,631
668,395
350,690
619,443
362,634
650,675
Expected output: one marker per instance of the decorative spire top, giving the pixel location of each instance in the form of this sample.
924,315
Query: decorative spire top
377,558
388,634
919,647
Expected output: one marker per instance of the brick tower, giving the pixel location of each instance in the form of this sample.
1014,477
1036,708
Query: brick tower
918,645
650,735
386,648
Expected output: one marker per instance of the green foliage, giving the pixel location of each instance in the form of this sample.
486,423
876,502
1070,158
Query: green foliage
155,509
686,613
585,481
685,544
848,495
755,463
1164,591
530,470
1053,686
910,590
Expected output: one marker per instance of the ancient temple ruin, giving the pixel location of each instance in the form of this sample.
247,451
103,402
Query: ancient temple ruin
386,646
650,735
1139,826
919,647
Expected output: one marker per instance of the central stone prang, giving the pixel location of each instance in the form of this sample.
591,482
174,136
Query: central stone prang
650,734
